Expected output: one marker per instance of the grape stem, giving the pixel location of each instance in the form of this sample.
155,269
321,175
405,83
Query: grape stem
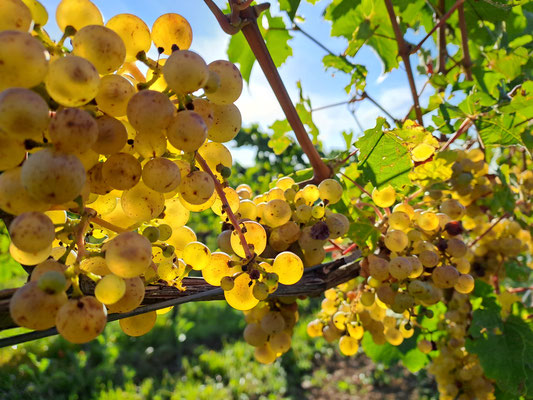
441,22
107,225
488,229
378,213
467,123
467,61
225,206
362,189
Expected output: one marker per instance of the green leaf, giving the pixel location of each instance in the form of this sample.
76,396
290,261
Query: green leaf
291,6
498,131
239,53
384,160
363,233
505,351
386,353
279,140
414,360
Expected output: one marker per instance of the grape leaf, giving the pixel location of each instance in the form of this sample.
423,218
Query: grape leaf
279,140
384,160
239,53
290,6
414,360
506,353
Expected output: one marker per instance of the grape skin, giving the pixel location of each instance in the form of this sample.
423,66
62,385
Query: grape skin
138,325
241,295
73,130
23,114
14,15
132,298
72,81
141,203
122,171
161,175
134,33
150,111
33,308
101,46
53,177
81,320
255,236
227,122
185,71
197,187
32,231
171,29
112,136
77,13
23,61
187,131
110,289
114,94
128,254
230,87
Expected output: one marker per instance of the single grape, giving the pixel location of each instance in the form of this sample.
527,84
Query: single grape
445,277
264,354
161,175
330,191
38,12
399,220
15,15
24,63
23,114
338,225
276,213
227,122
273,322
255,237
73,130
260,291
425,346
141,203
175,214
95,265
133,32
151,233
187,131
464,284
289,268
171,29
241,295
254,335
32,231
128,254
378,267
150,144
110,289
230,82
400,268
112,136
72,81
138,325
185,72
149,111
122,171
54,177
427,221
113,95
456,248
33,308
81,320
181,237
197,255
396,241
77,13
197,187
348,345
280,342
101,46
385,197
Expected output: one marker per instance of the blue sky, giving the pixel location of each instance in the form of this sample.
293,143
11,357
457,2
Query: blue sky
257,103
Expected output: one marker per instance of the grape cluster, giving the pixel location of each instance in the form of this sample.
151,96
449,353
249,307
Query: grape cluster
459,374
104,166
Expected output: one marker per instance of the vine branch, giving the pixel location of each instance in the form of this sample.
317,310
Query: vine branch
403,51
225,206
467,61
315,281
442,20
248,26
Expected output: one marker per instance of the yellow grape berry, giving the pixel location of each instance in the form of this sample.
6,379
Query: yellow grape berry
255,237
110,289
81,320
171,29
138,325
197,255
385,197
